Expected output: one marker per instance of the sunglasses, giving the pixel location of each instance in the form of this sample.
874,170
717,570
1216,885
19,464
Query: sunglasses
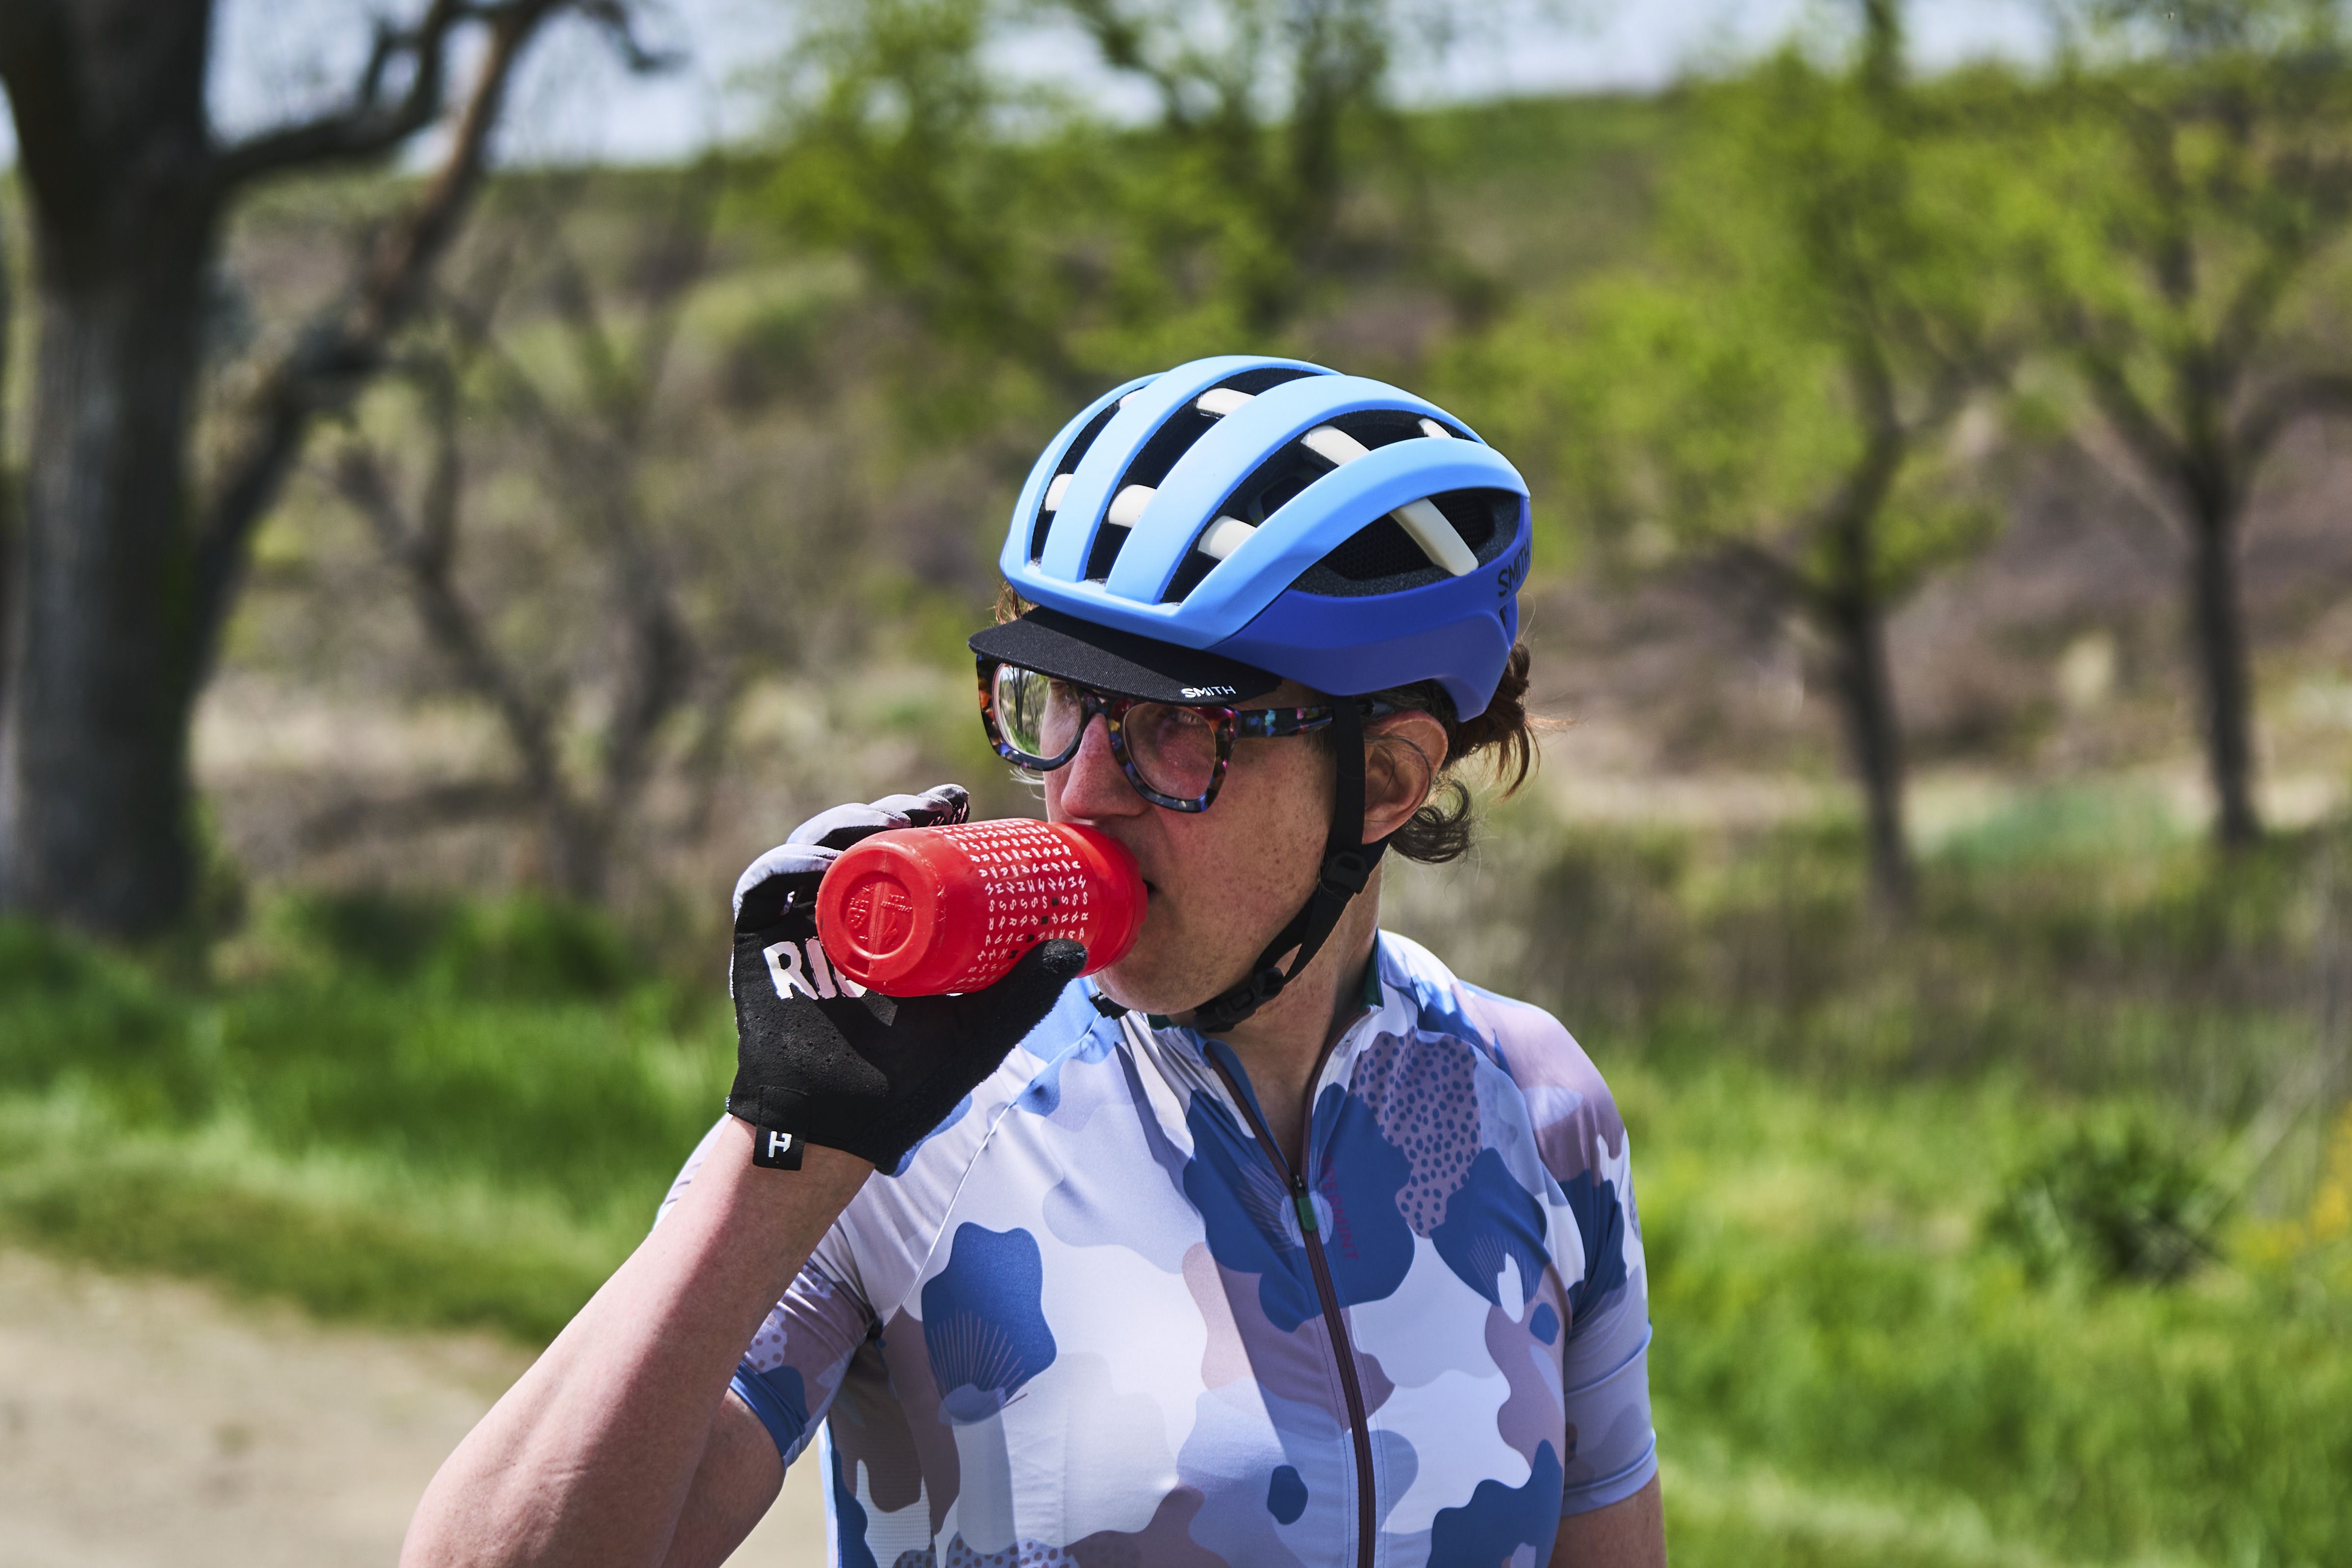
1175,755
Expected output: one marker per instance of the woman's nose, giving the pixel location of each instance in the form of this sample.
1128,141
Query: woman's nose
1093,784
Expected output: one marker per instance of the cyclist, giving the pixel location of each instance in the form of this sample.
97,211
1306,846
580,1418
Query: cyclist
1272,1243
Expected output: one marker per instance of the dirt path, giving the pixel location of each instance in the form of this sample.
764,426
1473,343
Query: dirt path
151,1423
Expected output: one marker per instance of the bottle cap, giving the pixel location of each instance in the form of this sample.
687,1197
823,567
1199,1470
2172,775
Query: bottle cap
927,910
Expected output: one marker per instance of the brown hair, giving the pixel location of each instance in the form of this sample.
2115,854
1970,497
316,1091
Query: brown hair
1503,738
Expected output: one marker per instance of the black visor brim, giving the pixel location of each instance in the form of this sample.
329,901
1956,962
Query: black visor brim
1121,662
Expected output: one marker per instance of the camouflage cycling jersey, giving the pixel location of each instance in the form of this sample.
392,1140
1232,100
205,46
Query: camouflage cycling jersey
1097,1318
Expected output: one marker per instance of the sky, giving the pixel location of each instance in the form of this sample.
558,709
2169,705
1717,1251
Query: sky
275,58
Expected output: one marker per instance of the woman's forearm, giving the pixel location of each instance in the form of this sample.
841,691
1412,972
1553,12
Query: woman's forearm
588,1459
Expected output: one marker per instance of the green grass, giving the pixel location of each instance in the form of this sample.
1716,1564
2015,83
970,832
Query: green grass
438,1113
2071,938
1829,1307
347,1236
419,1114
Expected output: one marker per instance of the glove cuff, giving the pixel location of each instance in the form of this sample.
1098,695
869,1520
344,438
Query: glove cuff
775,1115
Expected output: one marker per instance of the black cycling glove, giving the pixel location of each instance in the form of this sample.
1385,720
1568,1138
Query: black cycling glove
820,1060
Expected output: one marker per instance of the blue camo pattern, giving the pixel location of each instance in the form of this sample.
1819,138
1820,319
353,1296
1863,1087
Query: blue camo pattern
1081,1323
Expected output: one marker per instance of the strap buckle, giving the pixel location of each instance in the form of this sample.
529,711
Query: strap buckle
1346,873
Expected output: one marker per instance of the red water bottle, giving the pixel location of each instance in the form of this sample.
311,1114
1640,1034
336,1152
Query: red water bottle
923,911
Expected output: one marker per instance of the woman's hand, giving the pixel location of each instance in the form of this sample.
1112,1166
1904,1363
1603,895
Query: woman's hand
819,1060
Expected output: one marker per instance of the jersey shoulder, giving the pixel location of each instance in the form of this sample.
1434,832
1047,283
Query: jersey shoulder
1570,1105
1072,1027
883,1238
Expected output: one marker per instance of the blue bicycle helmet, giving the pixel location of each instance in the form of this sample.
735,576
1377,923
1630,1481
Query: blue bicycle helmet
1203,534
1281,517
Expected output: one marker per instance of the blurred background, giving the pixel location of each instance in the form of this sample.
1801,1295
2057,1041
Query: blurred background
476,474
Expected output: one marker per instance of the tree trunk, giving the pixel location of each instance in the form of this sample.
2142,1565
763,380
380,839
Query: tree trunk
7,493
94,758
2217,629
1856,622
578,846
94,761
119,589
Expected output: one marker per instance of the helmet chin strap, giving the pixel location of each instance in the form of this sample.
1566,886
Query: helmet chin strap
1347,863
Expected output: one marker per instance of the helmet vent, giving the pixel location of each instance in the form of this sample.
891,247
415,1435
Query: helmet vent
1384,551
1180,429
1052,500
1161,454
1381,558
1376,552
1109,541
1265,378
1196,564
1379,428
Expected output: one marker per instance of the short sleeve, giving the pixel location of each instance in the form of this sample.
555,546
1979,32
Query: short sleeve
794,1364
1581,1138
1605,1368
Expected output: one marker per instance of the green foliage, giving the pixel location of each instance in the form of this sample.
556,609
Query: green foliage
1822,285
892,154
2178,200
1780,386
386,935
2209,26
1046,248
2120,1202
527,947
2064,826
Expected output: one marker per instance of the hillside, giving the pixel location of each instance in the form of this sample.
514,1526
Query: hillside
838,554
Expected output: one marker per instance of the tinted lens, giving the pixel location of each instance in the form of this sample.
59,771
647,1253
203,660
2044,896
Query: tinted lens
1175,748
1037,715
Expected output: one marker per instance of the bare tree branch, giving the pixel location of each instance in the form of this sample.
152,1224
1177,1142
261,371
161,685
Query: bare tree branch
2319,393
601,469
2141,430
592,458
375,120
344,346
424,553
1119,39
420,811
706,756
380,115
2173,258
618,20
2247,320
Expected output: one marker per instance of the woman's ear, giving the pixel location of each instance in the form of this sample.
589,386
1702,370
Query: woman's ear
1403,752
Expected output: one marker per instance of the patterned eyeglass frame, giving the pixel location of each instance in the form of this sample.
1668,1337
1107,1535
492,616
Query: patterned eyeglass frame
1227,723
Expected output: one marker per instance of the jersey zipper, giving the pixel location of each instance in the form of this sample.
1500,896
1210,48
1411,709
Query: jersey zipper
1303,1199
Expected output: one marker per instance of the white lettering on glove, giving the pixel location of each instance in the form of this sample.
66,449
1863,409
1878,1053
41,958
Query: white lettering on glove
818,982
784,969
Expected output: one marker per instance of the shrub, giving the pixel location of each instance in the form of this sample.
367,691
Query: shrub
2122,1205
